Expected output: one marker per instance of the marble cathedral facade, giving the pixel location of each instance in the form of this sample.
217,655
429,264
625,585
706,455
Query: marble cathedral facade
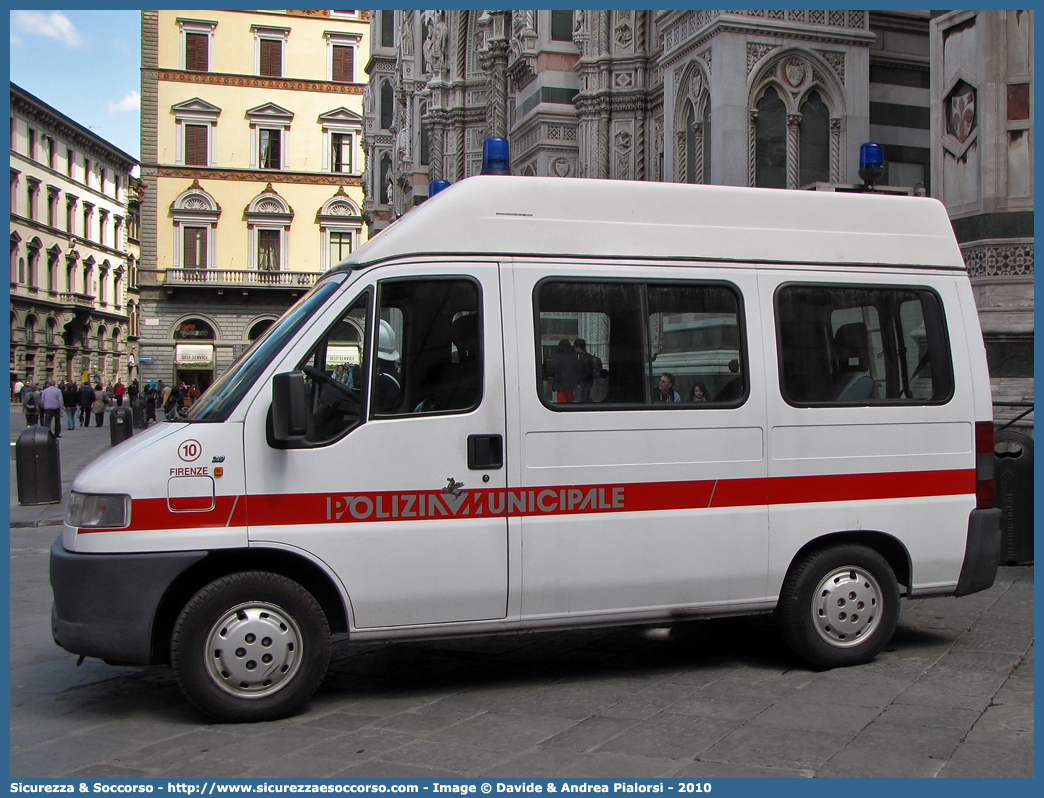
781,98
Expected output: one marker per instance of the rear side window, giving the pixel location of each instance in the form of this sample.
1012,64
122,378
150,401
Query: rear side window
658,345
844,345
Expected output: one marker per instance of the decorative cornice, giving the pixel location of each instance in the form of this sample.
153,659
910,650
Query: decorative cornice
303,178
256,82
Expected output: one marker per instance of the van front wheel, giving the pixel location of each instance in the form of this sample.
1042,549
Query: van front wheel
839,606
250,646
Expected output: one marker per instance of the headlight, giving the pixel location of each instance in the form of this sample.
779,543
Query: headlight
95,511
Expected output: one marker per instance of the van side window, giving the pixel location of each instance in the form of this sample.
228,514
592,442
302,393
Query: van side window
628,343
334,376
429,354
861,346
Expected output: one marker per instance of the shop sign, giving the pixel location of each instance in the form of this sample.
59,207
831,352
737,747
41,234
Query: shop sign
194,356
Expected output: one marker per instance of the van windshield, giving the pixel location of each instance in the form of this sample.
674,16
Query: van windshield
223,396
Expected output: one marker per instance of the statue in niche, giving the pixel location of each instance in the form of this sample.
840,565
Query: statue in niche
435,42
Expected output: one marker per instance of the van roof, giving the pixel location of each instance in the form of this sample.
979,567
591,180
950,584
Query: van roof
548,216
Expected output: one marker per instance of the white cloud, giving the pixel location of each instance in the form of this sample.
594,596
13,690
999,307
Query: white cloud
15,41
54,26
132,102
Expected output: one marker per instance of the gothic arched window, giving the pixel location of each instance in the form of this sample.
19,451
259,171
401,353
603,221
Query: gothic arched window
770,153
690,145
814,134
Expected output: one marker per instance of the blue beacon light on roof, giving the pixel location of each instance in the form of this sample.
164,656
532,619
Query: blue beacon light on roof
871,163
495,156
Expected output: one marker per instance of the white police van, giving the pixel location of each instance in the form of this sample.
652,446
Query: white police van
841,459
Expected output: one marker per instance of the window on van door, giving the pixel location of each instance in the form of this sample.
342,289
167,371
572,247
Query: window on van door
861,346
429,358
335,384
658,345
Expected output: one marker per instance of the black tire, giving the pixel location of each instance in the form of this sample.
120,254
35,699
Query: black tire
839,606
251,646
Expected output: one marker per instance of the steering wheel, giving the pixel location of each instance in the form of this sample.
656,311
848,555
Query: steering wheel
319,375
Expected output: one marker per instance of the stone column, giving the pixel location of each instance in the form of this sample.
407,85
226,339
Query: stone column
681,157
752,149
697,129
793,149
835,150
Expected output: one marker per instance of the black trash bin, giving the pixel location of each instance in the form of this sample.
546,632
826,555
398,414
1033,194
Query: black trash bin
120,426
39,467
138,412
1013,453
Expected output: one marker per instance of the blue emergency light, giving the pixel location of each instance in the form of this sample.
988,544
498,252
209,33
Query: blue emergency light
871,163
435,186
495,157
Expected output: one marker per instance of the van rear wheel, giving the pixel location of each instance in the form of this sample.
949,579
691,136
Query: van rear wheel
839,606
250,646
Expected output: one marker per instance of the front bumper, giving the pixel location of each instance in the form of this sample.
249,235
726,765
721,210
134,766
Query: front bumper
982,552
105,604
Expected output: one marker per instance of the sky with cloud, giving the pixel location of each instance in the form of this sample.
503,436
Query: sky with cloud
86,64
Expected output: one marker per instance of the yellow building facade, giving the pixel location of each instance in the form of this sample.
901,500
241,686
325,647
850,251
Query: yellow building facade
252,159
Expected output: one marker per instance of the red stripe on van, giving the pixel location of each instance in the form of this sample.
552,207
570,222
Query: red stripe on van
339,508
865,487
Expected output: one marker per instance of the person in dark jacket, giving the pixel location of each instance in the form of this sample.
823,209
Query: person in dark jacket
151,395
71,397
87,397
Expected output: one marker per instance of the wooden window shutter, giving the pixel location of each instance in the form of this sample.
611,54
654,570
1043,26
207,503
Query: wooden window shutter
195,248
342,64
196,145
196,52
272,58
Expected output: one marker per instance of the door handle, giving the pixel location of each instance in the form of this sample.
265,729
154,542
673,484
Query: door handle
485,451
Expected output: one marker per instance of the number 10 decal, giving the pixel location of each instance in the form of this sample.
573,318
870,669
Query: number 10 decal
190,450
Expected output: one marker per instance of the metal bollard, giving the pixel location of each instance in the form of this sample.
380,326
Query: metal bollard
1014,479
120,425
39,467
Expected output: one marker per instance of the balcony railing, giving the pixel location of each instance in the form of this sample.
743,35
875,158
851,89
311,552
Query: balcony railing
245,278
79,300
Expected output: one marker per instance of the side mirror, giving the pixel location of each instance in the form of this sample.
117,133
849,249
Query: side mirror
289,409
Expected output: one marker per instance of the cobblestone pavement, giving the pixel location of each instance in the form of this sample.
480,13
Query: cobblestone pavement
952,696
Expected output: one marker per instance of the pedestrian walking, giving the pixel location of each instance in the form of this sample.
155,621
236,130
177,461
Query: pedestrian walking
31,406
118,392
87,397
71,398
100,404
52,403
151,394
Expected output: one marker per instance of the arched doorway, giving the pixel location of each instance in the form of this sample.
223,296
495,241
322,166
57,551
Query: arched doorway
194,353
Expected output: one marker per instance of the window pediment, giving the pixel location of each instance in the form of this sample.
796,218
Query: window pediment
195,109
341,116
339,208
270,113
195,205
268,206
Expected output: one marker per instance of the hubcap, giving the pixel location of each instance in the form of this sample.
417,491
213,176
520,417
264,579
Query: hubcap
846,607
253,650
